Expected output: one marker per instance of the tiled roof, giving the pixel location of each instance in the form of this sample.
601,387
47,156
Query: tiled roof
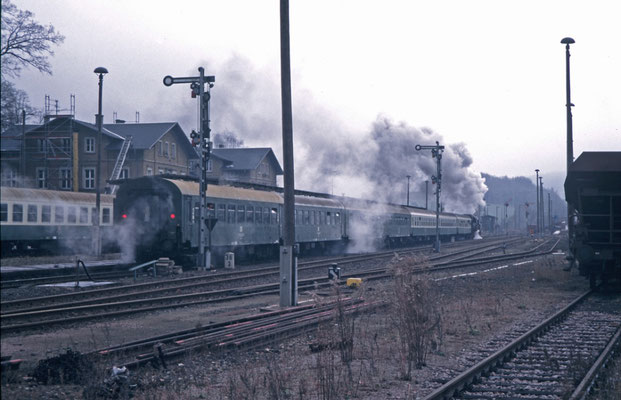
247,158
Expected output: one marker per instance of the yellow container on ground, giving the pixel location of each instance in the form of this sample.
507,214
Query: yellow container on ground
354,282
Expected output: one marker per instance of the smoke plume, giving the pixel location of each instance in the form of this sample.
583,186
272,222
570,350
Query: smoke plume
331,158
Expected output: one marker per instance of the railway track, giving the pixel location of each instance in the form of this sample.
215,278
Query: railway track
7,283
106,307
558,359
241,333
160,287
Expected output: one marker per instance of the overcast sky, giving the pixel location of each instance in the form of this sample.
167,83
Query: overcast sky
490,74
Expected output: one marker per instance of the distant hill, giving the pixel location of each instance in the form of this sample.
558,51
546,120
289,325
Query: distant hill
517,192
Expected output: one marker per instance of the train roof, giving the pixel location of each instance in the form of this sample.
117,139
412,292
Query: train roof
226,192
28,194
596,171
318,201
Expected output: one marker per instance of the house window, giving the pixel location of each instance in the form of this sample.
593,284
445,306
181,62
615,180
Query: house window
166,146
65,145
9,178
160,171
173,151
89,145
149,171
41,145
160,149
32,213
41,178
209,166
18,213
88,178
65,178
124,173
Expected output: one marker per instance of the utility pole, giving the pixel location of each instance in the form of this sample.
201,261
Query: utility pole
408,196
288,256
197,84
436,152
427,195
537,186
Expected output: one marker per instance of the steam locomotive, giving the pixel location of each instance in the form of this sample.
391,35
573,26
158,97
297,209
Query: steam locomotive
158,216
593,187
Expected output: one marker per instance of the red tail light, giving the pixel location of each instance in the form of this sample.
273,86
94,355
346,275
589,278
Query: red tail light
172,216
124,216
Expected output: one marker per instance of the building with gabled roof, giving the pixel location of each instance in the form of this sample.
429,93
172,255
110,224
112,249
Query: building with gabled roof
61,154
248,165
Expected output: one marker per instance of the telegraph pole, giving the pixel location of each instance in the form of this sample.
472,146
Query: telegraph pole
537,186
408,196
197,84
288,256
436,152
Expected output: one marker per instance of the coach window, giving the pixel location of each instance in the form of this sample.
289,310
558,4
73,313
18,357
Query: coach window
71,215
18,213
274,219
4,212
337,219
221,212
297,217
83,216
250,214
230,217
305,217
106,215
312,217
266,215
32,213
46,214
258,217
59,214
241,214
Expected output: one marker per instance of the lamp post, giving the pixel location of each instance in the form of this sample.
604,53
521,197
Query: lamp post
542,205
101,71
537,186
408,196
436,152
570,146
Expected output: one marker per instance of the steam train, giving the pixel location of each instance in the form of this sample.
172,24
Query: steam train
159,216
593,187
50,221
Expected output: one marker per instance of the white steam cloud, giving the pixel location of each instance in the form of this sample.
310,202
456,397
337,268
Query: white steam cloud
333,159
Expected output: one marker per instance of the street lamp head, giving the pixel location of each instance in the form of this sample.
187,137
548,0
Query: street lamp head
537,170
568,40
100,70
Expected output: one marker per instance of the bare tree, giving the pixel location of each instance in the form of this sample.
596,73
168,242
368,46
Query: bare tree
25,42
13,101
